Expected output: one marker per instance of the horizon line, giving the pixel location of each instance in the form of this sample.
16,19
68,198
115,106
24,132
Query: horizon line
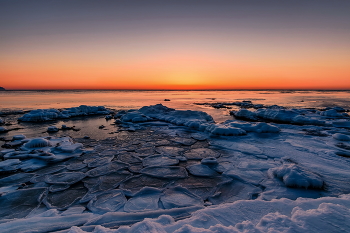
216,89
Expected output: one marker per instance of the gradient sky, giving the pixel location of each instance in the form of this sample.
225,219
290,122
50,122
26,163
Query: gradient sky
175,44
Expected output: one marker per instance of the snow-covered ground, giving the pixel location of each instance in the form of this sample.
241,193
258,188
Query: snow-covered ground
167,170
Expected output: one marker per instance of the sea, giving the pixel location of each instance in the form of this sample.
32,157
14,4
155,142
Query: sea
135,99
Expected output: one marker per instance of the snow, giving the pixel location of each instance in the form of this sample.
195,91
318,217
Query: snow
192,119
341,137
333,113
52,129
41,115
326,214
18,137
294,176
219,129
36,143
290,116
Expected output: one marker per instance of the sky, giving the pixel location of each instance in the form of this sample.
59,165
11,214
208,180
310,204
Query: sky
175,44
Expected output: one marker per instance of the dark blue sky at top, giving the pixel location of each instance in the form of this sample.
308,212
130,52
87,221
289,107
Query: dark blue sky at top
20,18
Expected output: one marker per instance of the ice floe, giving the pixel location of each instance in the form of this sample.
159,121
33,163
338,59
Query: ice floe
40,115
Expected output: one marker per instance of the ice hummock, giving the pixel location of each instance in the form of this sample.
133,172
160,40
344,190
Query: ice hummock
294,176
41,115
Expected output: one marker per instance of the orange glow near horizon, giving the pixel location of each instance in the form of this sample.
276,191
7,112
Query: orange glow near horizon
175,71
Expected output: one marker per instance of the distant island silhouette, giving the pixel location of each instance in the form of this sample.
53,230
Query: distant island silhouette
2,89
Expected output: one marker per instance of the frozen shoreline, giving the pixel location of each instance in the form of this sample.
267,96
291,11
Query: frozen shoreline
231,166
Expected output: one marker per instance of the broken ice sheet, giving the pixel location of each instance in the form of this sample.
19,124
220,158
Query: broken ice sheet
109,201
135,183
202,186
146,199
129,158
58,187
76,166
99,162
159,160
20,203
201,170
50,170
109,181
64,199
32,165
176,197
16,179
168,172
106,169
65,178
184,141
201,153
169,150
233,191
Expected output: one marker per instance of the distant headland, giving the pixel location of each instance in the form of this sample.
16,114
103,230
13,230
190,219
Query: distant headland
2,89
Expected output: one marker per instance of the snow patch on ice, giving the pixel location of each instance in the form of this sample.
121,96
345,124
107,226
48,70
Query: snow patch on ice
41,115
294,176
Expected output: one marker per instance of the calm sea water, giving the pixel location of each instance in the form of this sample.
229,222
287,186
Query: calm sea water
26,100
184,100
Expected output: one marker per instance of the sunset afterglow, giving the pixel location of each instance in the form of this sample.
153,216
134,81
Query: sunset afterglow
174,45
